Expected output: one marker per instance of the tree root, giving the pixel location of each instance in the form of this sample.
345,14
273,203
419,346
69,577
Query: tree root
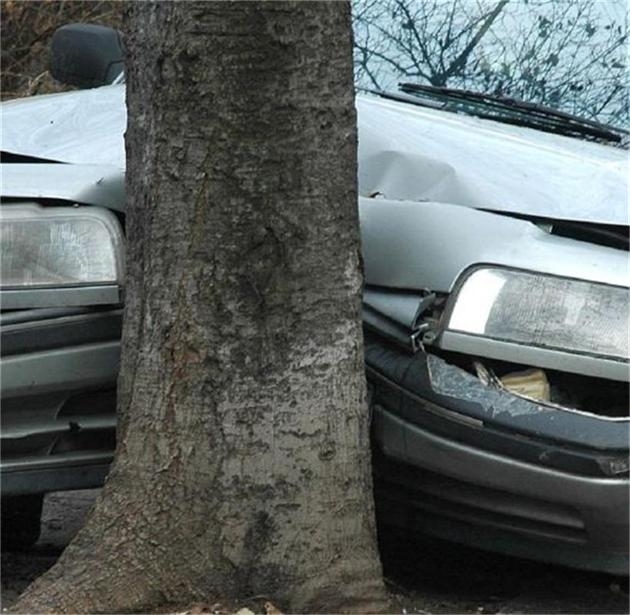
80,586
91,587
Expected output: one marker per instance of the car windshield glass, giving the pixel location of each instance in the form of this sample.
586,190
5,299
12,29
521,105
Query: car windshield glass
554,66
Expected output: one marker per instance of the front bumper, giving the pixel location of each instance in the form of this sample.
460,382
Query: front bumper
57,380
445,465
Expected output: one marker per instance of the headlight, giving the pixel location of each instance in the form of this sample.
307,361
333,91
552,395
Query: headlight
543,311
59,247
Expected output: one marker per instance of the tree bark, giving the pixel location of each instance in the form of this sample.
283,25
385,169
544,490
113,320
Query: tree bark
243,459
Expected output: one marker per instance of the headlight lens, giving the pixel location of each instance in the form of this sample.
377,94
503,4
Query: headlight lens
59,246
545,311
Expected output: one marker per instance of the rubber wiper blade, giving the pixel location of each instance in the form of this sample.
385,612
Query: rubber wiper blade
510,111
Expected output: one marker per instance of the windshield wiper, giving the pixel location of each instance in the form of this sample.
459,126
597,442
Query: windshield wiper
509,111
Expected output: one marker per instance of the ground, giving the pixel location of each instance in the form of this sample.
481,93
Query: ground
424,576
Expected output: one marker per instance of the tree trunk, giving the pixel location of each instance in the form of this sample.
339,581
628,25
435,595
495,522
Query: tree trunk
243,460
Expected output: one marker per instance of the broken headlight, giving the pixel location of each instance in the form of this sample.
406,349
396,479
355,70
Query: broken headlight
59,246
543,311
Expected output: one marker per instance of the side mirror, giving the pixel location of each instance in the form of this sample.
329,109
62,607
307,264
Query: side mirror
86,55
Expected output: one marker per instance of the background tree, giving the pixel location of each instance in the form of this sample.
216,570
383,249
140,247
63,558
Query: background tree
431,41
243,460
568,55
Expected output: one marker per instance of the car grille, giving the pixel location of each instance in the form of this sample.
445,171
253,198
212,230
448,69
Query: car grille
48,428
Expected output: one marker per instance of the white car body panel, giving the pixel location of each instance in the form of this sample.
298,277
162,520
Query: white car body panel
406,152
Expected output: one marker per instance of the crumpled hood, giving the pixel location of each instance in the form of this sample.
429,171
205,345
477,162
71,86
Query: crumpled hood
414,153
82,127
406,152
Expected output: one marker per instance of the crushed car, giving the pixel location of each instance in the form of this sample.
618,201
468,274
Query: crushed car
495,308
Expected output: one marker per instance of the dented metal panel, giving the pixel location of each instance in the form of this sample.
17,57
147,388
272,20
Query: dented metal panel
427,244
412,153
405,153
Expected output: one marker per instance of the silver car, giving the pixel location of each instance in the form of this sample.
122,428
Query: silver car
495,241
496,315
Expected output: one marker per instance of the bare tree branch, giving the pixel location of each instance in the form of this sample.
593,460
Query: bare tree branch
460,62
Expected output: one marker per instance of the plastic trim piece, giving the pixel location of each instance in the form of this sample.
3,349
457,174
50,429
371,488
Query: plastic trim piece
38,314
58,330
59,473
23,298
64,369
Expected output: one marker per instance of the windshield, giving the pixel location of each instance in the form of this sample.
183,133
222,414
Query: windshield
558,55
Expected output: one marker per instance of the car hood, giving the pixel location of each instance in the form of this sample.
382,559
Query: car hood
412,153
406,152
82,127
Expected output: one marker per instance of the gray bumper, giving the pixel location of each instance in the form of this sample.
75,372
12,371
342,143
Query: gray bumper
55,473
450,489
